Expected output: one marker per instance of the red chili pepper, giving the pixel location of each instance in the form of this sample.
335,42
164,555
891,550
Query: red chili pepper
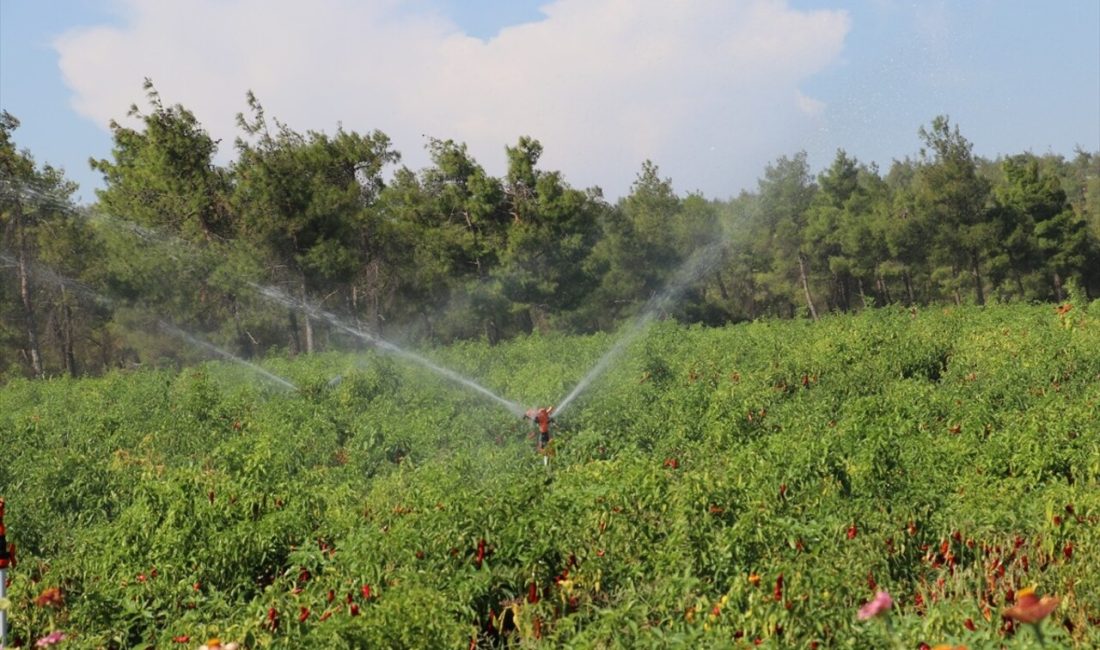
365,590
480,553
532,593
778,592
303,614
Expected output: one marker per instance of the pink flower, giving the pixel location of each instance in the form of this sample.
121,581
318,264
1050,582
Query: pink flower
53,638
879,604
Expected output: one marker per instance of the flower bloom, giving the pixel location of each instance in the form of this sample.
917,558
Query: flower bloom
879,604
1029,608
53,638
50,598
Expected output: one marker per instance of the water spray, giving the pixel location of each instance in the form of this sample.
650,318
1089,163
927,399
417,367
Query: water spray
280,297
226,355
7,558
700,262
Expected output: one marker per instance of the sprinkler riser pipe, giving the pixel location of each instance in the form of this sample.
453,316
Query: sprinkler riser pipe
3,612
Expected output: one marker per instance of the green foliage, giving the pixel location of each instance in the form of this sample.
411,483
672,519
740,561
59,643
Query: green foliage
717,486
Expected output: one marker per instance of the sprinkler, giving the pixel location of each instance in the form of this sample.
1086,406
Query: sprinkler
7,558
541,416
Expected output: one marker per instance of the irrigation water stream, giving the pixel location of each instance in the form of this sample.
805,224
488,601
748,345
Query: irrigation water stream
282,298
703,260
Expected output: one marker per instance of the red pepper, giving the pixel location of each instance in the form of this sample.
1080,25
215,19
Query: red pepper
480,553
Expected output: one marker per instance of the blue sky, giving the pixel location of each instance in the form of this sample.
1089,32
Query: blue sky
711,94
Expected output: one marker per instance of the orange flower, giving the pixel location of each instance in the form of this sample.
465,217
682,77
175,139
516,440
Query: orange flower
1029,608
50,598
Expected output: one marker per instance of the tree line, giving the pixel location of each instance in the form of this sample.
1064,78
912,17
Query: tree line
451,252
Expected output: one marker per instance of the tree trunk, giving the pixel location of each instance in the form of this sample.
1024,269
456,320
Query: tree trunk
977,269
862,293
886,298
909,287
806,286
721,285
244,341
28,307
68,355
308,320
355,305
955,277
1058,294
292,325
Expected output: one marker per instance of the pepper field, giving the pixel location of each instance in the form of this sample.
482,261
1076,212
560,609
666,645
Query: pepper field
755,484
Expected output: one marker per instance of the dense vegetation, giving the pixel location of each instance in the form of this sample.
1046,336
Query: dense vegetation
452,253
716,487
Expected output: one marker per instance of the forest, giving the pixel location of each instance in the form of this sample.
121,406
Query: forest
250,255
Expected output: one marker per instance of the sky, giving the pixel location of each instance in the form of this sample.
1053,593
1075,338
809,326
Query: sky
709,90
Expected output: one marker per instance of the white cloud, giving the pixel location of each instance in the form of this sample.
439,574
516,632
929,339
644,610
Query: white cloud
708,89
